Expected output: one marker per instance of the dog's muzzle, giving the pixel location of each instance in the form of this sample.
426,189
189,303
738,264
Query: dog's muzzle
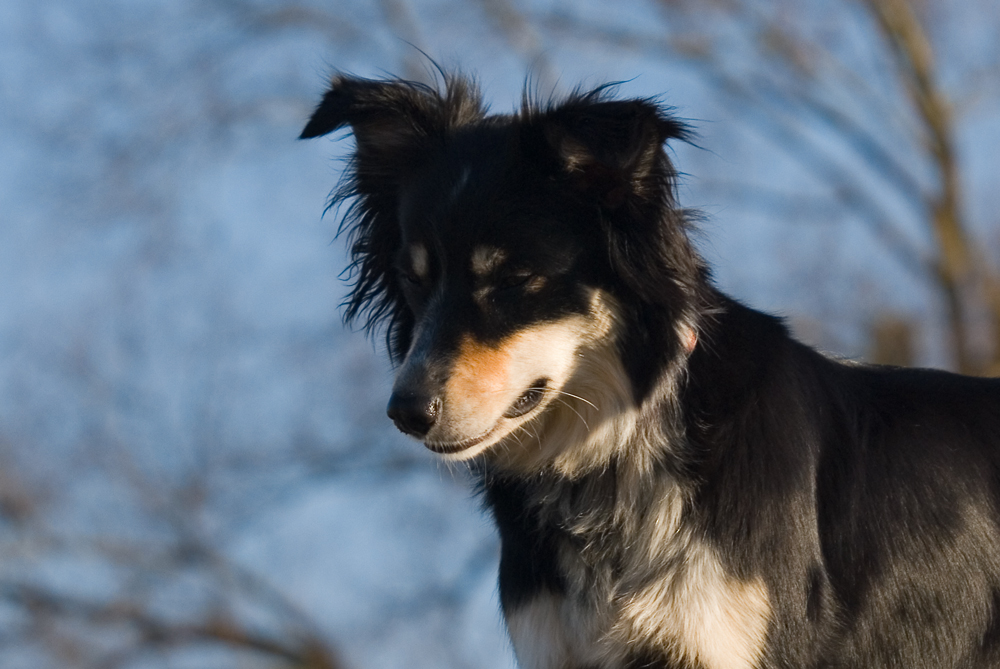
416,413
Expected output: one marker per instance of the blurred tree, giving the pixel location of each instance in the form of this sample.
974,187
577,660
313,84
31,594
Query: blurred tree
892,341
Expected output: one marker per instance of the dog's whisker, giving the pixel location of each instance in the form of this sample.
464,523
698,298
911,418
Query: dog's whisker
573,409
577,397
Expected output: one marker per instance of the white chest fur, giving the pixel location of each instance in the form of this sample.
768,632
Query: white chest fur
540,635
691,610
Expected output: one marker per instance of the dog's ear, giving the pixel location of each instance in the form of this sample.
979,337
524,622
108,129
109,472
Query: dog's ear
392,120
613,149
611,152
395,123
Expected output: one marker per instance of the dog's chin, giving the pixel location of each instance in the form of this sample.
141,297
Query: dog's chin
531,403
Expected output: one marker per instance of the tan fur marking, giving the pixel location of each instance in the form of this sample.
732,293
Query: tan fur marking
419,261
690,338
479,377
485,259
483,377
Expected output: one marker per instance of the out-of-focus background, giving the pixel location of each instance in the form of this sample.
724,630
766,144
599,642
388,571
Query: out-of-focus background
195,467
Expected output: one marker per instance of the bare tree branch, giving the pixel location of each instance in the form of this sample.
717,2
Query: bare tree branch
46,603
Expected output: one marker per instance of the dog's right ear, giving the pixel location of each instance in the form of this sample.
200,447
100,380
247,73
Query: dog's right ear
613,149
389,120
392,120
396,124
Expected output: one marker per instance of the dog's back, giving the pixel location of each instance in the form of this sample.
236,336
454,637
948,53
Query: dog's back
869,495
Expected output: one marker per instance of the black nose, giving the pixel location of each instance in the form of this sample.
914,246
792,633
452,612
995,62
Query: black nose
412,413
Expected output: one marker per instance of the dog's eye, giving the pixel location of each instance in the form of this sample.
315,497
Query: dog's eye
515,280
410,278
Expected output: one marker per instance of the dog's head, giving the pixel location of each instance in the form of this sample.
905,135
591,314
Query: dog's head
525,266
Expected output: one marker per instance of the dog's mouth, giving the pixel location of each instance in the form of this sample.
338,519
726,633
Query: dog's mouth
529,400
450,448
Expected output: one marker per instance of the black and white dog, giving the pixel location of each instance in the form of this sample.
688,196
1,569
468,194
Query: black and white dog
676,481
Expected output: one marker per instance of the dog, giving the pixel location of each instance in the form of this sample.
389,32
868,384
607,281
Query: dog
676,481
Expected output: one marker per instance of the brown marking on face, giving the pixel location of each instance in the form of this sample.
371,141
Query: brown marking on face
419,261
485,380
486,259
479,376
534,284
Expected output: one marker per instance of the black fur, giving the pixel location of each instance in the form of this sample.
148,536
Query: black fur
863,501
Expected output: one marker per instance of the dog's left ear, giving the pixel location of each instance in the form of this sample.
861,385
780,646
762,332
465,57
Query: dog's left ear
613,148
611,151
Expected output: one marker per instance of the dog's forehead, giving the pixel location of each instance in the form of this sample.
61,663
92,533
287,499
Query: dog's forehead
466,167
477,205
